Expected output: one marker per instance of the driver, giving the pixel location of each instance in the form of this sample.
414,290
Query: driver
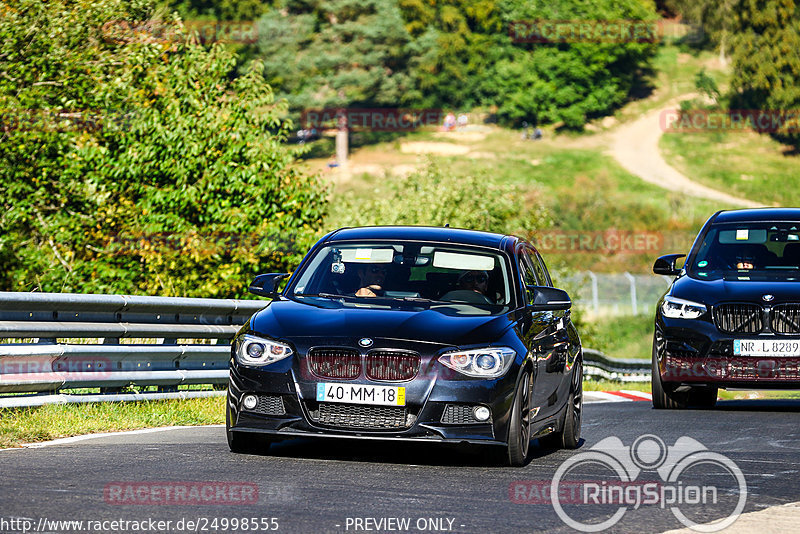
477,281
370,280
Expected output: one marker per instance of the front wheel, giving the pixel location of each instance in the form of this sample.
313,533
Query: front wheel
519,431
664,398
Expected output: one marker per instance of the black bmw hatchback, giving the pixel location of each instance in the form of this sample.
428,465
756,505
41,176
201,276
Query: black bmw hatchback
731,318
410,333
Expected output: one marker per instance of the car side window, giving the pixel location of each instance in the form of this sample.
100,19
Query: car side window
541,271
527,272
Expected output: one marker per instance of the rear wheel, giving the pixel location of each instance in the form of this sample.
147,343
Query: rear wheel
570,434
519,431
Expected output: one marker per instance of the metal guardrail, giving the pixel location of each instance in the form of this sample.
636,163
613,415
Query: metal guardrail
171,347
598,365
59,341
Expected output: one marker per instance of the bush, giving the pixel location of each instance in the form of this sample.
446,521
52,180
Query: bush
433,197
141,164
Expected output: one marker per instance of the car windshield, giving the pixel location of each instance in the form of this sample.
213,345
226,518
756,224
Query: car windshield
395,273
748,251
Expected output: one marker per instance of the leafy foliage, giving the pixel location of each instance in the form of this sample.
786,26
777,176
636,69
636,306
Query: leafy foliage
172,180
433,197
450,54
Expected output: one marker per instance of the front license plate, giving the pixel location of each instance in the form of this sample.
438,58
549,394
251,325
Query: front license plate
361,394
758,347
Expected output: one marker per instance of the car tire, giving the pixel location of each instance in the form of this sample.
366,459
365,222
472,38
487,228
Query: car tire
663,398
519,429
569,436
244,442
703,397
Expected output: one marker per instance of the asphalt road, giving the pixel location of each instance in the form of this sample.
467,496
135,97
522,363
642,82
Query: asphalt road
351,486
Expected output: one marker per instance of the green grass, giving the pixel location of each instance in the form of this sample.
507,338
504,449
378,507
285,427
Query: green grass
28,425
743,164
620,337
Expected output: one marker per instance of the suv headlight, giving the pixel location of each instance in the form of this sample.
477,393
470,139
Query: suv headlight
682,309
257,351
490,362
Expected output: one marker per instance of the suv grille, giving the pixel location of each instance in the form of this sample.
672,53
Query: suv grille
335,363
357,416
739,318
391,365
786,319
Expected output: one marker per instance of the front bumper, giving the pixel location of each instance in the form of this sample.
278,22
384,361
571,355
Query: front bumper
438,404
695,352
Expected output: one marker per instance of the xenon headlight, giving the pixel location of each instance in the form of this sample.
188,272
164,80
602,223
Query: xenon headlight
675,308
253,350
490,362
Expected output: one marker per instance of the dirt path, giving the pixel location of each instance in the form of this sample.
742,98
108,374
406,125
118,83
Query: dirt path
635,146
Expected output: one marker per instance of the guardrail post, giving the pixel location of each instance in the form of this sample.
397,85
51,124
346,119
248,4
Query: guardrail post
595,298
632,281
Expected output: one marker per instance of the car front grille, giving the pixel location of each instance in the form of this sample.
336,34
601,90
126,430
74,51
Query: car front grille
785,319
739,318
335,363
392,365
358,416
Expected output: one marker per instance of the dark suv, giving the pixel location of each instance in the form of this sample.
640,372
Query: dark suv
731,317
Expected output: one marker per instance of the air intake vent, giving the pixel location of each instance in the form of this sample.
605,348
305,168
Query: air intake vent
356,416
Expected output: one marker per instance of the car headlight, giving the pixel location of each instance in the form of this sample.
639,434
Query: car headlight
253,350
490,362
681,309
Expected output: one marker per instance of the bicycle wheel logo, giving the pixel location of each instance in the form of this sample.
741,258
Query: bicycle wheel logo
677,466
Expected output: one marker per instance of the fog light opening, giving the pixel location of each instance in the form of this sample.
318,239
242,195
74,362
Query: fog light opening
481,413
250,402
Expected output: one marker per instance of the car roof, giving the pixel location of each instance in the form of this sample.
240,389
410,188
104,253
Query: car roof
758,215
423,233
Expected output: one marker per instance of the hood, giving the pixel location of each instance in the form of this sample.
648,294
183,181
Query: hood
721,290
447,325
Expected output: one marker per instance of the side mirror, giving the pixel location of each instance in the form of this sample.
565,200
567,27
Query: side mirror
666,265
266,285
549,299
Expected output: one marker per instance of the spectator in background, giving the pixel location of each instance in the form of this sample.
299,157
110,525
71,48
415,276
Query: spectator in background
449,122
463,120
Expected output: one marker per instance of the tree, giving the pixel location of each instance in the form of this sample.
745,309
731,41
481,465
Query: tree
766,64
134,162
336,53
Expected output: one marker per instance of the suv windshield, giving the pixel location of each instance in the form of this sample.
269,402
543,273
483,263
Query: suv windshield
406,272
748,251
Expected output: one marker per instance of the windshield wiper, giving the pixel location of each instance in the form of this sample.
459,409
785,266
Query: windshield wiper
420,299
322,295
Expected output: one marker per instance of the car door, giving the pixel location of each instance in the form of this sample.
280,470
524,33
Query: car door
546,338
